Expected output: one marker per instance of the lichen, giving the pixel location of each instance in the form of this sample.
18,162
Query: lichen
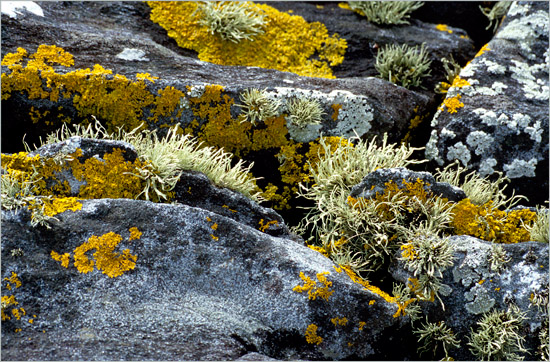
311,335
104,258
314,291
288,42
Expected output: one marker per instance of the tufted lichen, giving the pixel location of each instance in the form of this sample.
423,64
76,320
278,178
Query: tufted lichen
385,12
403,65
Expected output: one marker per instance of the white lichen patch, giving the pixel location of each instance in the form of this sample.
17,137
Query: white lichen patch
447,134
354,116
13,8
520,168
432,152
459,152
486,167
132,54
480,142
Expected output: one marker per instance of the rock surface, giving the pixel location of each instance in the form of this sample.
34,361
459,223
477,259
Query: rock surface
474,288
196,292
496,119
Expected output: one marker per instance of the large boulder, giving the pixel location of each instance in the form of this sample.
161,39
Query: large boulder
203,287
477,286
495,116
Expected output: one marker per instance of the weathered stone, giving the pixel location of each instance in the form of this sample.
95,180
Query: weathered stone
473,289
197,292
375,182
498,119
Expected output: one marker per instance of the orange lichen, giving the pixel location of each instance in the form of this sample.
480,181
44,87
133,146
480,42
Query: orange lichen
311,335
310,286
339,321
135,233
483,49
443,27
336,108
104,258
355,278
13,279
452,104
362,325
488,223
288,42
58,205
64,259
265,225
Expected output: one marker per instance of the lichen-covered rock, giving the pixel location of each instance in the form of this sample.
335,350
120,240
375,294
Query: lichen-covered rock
495,116
478,284
190,284
375,182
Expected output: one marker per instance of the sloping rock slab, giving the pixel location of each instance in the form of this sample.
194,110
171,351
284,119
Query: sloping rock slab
98,33
197,292
499,121
474,289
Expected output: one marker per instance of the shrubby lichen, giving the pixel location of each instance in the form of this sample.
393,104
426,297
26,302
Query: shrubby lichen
403,65
386,12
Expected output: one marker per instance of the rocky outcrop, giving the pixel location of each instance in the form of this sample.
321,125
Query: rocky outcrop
475,287
495,116
204,287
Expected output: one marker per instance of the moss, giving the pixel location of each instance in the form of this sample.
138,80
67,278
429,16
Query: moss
288,42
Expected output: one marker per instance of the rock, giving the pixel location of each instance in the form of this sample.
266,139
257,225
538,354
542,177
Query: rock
495,117
474,289
375,182
196,292
122,38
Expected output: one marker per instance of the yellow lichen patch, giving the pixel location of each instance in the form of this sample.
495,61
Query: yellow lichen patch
452,104
149,77
355,278
104,258
265,225
414,286
408,251
64,259
214,226
134,233
166,103
362,325
112,178
6,302
372,301
311,335
58,205
215,238
322,251
483,49
310,286
96,91
339,321
402,306
488,223
443,27
14,279
227,207
288,42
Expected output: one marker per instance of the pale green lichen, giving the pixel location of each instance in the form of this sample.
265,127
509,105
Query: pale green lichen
386,12
540,229
435,335
497,336
496,13
231,20
498,258
304,111
403,65
257,106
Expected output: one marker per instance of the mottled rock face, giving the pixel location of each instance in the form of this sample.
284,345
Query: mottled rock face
204,287
495,118
475,288
376,181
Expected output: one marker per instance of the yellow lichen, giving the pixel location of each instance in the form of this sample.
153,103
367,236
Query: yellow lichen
13,279
288,42
135,233
488,223
310,286
355,278
58,205
265,225
104,258
339,321
483,49
362,325
443,27
311,335
453,103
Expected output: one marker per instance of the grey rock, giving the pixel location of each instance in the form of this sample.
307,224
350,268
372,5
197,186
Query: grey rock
375,182
474,289
503,124
189,297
